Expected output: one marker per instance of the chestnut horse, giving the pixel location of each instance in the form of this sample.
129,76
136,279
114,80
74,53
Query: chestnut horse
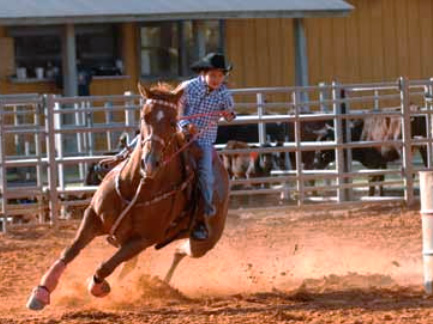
145,201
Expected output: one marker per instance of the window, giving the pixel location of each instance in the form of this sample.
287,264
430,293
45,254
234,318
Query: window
41,47
160,49
97,48
37,47
167,49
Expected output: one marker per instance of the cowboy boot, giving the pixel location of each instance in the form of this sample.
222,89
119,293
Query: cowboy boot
200,232
202,229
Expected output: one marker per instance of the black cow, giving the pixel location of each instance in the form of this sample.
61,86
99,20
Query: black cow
370,157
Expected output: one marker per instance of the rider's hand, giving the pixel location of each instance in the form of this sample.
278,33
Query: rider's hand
229,115
192,129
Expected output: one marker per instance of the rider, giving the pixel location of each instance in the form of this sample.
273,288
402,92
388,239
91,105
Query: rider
205,96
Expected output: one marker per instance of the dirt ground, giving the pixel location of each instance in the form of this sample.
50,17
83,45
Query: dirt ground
357,265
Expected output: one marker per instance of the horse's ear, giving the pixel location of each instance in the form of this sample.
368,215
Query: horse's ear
144,92
178,91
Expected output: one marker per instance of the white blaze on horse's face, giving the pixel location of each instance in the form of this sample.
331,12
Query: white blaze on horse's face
159,116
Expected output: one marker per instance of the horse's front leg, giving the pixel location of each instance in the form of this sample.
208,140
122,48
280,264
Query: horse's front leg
90,227
98,286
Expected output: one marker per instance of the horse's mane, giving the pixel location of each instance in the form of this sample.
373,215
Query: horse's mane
162,90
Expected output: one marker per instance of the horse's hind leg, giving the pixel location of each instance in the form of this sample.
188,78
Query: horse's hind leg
89,229
181,252
98,286
197,249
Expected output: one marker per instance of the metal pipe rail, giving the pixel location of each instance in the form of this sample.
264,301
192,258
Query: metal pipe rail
52,157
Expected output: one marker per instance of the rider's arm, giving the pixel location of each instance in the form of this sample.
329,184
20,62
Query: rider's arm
184,107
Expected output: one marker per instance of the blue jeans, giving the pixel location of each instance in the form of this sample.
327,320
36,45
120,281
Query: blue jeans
205,175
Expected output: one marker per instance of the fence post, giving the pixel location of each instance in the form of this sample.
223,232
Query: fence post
108,120
38,152
260,112
298,152
129,114
376,100
322,97
339,151
429,130
3,180
51,155
58,138
407,140
346,136
82,169
89,123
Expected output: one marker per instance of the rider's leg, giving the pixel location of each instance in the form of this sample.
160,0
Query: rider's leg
206,178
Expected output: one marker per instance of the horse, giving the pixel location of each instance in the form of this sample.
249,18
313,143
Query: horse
147,200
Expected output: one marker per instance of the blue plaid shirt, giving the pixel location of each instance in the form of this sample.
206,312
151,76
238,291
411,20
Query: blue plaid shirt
198,100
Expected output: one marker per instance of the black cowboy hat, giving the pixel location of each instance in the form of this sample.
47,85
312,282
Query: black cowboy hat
212,61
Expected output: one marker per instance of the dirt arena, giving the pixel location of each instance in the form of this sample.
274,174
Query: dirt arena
357,265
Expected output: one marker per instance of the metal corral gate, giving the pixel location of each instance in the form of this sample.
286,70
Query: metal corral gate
54,140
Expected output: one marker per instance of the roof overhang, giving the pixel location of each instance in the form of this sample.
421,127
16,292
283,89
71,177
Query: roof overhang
31,12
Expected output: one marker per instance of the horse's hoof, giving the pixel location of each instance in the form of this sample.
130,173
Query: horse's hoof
39,298
98,289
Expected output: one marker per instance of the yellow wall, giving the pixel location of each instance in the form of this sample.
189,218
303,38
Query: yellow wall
380,40
261,51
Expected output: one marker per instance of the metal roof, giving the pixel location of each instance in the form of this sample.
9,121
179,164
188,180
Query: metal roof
24,12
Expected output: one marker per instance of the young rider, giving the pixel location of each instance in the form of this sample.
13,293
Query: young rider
207,97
